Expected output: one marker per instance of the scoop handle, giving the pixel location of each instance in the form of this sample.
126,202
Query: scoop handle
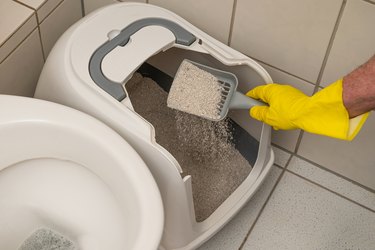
241,101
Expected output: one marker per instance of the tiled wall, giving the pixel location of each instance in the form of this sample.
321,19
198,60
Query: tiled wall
28,30
307,44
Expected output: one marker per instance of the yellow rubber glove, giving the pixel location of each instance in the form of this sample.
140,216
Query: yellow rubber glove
323,113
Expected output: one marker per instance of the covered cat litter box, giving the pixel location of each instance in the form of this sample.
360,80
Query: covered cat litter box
99,65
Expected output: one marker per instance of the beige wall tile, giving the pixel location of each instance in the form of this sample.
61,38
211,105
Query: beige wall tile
47,8
91,5
354,41
211,16
20,71
12,16
43,7
58,21
355,159
17,37
291,35
35,4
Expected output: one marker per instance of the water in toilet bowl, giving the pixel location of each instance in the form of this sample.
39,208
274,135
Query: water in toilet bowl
56,202
47,239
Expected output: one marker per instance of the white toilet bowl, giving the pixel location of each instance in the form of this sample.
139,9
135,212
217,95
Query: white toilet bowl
63,171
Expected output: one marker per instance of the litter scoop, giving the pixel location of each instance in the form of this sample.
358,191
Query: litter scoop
207,92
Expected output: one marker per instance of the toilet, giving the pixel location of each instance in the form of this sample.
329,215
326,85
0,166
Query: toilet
89,69
67,181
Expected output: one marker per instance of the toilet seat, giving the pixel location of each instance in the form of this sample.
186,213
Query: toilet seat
65,171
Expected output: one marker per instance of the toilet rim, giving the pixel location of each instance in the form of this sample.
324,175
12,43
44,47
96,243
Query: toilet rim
35,129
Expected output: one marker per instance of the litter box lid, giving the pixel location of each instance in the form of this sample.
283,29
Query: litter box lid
97,51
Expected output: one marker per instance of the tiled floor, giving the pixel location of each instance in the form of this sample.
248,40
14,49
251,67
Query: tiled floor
301,207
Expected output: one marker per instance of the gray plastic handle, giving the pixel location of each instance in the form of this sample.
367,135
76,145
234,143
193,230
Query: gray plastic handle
241,101
115,89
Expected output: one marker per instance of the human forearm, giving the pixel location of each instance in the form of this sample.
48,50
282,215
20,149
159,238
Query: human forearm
359,89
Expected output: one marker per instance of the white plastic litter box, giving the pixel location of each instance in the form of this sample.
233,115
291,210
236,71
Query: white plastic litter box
88,69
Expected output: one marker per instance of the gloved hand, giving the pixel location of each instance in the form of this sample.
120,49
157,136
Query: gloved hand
323,113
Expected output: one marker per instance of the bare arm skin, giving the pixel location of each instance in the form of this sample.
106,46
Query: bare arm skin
359,89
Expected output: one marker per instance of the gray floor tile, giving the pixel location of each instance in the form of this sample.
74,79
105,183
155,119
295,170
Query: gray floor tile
281,156
302,215
332,182
232,235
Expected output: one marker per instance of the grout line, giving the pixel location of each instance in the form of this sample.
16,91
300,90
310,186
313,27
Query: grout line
280,147
299,140
334,192
234,8
278,166
264,205
83,8
330,44
369,1
288,161
40,36
18,45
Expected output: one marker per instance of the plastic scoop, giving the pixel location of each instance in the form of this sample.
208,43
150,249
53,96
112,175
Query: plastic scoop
190,82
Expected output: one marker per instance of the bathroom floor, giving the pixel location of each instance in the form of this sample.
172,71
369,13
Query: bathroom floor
301,206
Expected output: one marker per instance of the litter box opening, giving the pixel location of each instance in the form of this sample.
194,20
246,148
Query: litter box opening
245,143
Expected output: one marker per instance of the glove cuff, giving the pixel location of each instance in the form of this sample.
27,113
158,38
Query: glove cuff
355,125
334,119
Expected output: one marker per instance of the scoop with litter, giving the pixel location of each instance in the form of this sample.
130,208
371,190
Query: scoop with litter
206,92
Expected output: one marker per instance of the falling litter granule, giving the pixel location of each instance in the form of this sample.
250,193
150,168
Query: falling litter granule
203,148
195,91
